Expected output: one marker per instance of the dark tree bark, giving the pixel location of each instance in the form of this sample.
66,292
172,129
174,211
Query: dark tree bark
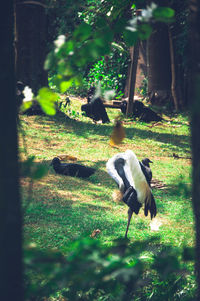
175,88
132,79
10,215
195,122
159,65
31,43
178,40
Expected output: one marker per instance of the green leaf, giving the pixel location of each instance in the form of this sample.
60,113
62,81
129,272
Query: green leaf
51,61
130,37
164,14
189,253
65,85
144,31
33,170
47,99
26,105
39,172
25,167
82,32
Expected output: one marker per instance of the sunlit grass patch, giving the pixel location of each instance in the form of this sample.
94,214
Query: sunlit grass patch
63,209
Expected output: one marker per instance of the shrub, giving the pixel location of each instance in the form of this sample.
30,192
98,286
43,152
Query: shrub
143,271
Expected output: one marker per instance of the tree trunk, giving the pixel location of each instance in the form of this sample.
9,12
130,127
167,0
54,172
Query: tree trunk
159,66
10,215
175,88
31,43
132,78
195,122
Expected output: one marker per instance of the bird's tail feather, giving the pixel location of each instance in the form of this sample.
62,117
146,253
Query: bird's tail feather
150,207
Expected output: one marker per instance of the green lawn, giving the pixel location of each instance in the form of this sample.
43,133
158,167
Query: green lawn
63,208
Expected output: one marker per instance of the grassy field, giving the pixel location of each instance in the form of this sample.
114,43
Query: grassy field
62,209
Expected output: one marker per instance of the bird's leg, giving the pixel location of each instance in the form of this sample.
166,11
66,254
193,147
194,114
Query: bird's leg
130,213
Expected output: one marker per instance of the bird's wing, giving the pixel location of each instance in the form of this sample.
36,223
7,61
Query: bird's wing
110,166
131,200
141,186
64,169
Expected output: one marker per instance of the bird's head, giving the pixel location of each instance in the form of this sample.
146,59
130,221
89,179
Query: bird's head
146,162
55,161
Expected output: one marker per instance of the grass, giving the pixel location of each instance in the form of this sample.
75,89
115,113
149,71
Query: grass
63,209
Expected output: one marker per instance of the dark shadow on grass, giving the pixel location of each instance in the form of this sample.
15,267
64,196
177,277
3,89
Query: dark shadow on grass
100,178
84,129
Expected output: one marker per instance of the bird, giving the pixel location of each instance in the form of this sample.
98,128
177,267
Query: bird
72,169
126,171
118,133
144,113
94,108
144,164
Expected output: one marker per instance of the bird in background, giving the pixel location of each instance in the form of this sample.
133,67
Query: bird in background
72,169
118,133
133,183
144,164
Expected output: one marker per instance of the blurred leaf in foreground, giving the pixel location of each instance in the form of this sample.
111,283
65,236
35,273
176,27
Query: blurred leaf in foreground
47,100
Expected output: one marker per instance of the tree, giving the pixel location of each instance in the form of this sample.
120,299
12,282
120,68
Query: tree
167,58
10,214
158,62
159,66
31,43
195,122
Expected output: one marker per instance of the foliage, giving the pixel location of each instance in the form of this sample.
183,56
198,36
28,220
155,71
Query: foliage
111,71
79,90
46,98
31,170
63,17
142,90
92,40
120,272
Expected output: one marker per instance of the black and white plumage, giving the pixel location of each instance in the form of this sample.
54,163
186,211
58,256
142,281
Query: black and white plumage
133,183
72,169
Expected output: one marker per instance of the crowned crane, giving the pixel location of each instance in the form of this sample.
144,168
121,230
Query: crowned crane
72,169
133,179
